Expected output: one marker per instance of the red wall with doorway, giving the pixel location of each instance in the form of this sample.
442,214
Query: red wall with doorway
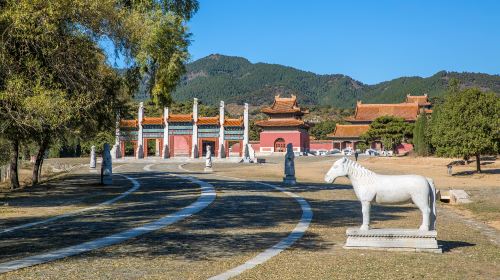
180,145
297,138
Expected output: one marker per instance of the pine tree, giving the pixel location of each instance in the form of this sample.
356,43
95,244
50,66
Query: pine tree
420,139
467,124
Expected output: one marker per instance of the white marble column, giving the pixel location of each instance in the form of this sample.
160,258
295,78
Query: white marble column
222,148
140,142
116,151
166,136
246,151
194,139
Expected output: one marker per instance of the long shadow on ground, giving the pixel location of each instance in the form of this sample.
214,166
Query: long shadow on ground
159,195
247,217
82,190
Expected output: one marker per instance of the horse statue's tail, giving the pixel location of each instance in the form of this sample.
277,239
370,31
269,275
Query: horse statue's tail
432,204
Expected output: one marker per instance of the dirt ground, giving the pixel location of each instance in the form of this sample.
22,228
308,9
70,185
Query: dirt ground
245,219
51,168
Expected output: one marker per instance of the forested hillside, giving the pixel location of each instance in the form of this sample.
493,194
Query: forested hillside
236,80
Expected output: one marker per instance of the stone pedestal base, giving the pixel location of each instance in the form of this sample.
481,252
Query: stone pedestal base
208,169
392,240
289,180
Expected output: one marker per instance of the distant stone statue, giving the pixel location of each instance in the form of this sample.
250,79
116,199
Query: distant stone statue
388,189
289,178
92,157
106,167
246,154
208,159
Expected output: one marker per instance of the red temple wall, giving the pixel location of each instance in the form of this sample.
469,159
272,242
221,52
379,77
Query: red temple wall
321,145
180,145
299,139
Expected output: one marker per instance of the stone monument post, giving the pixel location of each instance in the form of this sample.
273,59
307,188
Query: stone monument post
208,159
106,167
166,136
194,145
246,151
289,178
222,148
92,157
116,150
140,142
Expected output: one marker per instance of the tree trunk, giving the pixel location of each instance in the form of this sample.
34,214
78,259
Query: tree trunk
37,167
478,163
14,156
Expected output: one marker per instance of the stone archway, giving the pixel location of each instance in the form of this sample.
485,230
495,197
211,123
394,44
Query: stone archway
280,145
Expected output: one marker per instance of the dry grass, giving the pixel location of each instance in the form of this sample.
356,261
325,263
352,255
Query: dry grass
245,219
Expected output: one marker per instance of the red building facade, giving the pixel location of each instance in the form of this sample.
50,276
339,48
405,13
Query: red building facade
182,135
346,136
285,125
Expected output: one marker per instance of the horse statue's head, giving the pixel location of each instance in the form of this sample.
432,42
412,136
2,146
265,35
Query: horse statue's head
338,169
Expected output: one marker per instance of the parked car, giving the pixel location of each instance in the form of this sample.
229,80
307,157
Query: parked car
321,152
386,153
372,152
347,152
333,152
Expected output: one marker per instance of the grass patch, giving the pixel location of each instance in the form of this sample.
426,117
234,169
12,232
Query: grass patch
485,210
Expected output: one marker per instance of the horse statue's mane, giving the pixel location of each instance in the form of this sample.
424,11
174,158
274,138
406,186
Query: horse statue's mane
357,171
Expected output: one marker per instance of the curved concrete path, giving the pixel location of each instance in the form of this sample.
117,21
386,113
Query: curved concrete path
283,244
206,198
134,188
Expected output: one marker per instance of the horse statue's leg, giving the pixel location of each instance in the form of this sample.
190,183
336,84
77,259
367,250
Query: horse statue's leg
365,208
422,202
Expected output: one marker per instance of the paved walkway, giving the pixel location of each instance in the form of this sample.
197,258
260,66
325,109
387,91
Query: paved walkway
247,218
160,195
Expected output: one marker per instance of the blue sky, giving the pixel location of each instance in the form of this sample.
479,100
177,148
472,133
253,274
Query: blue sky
371,41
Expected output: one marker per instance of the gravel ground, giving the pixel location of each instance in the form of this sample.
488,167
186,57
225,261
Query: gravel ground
246,219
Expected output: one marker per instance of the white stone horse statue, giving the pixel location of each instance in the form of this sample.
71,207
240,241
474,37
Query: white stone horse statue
388,189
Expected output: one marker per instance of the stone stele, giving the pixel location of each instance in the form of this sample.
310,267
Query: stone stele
106,167
389,189
289,178
208,159
92,157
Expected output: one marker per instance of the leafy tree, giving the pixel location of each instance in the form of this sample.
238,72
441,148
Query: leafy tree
467,124
322,129
4,151
362,145
421,141
254,131
391,130
54,78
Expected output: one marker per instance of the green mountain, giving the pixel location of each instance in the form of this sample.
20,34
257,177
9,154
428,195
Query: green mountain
237,80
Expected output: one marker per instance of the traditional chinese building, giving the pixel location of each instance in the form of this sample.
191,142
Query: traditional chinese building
285,125
346,136
183,135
